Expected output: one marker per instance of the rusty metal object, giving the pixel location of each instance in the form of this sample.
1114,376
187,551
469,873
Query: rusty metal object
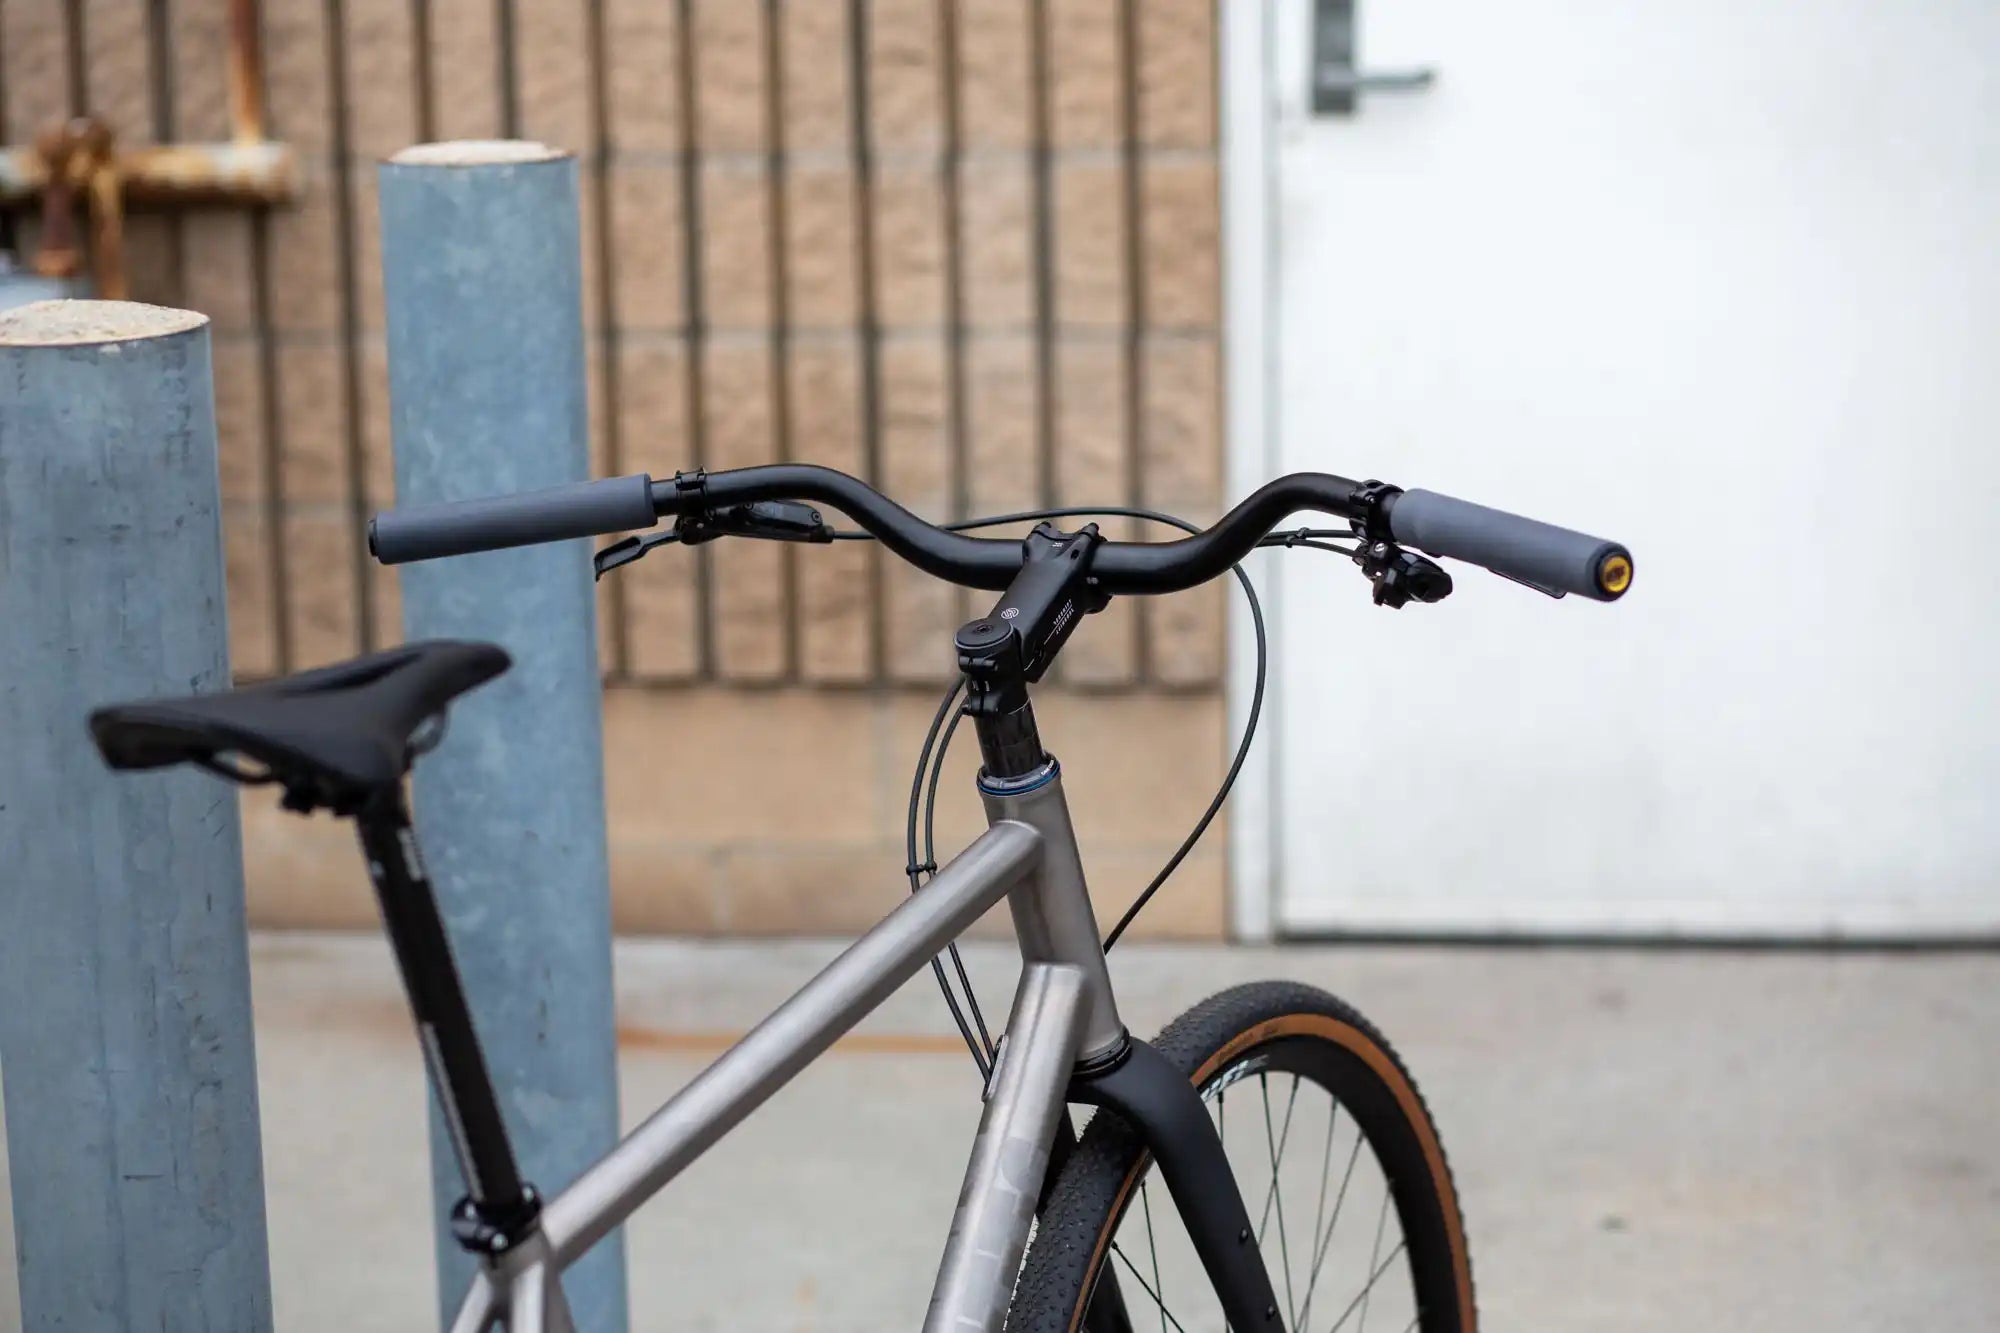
61,252
82,162
246,73
252,174
107,227
248,171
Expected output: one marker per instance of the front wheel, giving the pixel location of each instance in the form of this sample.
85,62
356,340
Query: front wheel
1338,1163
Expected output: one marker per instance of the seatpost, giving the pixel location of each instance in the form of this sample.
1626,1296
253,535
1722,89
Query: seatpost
499,1208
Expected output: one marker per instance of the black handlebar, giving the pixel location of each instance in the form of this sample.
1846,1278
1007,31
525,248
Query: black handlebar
1120,568
1520,548
620,504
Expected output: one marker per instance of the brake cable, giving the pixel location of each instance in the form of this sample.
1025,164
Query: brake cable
937,740
934,762
920,874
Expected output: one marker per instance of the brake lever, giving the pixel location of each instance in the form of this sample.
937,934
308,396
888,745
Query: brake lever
627,549
1541,588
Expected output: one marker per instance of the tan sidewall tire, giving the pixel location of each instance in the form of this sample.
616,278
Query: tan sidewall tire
1207,1040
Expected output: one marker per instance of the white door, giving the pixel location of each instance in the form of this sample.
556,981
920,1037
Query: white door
1719,279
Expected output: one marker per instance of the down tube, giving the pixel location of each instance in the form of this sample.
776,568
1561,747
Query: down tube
801,1029
989,1232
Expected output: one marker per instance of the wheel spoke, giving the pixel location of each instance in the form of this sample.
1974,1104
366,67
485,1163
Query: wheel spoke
1139,1278
1284,1134
1325,1161
1270,1143
1301,1284
1373,1250
1373,1278
1146,1203
1312,1278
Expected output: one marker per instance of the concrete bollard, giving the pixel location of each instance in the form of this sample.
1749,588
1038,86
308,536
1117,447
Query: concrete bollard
131,1086
481,258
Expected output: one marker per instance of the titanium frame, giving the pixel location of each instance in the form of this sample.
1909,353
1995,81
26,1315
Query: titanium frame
1064,1023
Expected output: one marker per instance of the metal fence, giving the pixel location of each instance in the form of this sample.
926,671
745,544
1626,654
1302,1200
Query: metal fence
966,248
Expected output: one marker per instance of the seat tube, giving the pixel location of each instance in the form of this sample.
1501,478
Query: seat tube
1053,920
500,1204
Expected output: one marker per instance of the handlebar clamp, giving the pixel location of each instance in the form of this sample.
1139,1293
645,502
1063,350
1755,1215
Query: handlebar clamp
1014,644
1373,499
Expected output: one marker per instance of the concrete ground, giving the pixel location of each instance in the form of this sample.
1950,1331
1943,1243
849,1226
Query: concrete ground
1643,1140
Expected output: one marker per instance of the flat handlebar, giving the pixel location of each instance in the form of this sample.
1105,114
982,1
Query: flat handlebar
1520,548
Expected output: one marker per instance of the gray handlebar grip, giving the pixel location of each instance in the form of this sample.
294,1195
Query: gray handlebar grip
586,509
1520,548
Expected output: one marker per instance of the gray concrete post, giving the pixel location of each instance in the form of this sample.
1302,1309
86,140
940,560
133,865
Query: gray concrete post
481,258
131,1090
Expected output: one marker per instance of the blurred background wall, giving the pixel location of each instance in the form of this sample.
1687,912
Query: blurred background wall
966,250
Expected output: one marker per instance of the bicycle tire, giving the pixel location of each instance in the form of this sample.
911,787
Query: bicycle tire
1248,1031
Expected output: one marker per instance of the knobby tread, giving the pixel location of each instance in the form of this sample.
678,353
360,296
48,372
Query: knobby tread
1088,1188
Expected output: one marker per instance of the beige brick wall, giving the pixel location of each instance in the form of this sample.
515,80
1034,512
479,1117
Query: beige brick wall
964,248
740,812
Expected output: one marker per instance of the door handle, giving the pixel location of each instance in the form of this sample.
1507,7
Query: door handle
1337,84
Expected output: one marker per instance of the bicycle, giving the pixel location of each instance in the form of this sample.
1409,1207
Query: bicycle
1035,1241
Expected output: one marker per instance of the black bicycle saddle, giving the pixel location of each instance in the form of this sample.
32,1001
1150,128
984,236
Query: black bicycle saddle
332,736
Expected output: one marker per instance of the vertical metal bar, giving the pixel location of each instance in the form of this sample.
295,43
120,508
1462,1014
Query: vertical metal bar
868,324
482,278
611,414
1043,194
1132,164
348,282
505,29
77,61
272,423
246,72
161,113
131,1093
951,60
421,68
989,1232
694,297
786,449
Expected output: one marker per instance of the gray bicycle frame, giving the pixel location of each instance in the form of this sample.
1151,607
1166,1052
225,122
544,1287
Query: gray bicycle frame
1063,1013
